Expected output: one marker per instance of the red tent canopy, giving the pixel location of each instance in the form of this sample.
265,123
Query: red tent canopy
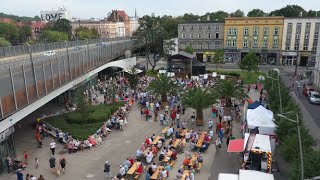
236,145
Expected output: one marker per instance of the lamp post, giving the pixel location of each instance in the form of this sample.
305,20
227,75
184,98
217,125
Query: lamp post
299,137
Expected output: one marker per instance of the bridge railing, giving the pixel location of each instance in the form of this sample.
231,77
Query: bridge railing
41,47
29,81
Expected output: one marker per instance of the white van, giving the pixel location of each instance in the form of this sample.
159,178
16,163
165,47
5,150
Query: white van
49,53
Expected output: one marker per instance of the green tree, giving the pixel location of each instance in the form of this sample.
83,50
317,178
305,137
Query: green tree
4,43
230,89
133,77
170,25
151,35
249,62
162,86
24,33
198,99
256,13
86,33
9,32
189,49
53,36
220,15
218,58
63,25
289,11
312,13
237,13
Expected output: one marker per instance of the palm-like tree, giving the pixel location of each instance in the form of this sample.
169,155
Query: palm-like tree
162,86
229,89
199,99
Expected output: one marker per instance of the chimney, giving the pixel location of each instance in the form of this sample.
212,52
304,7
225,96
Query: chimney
208,17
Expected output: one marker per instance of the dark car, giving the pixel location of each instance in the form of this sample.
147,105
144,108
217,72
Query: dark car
77,48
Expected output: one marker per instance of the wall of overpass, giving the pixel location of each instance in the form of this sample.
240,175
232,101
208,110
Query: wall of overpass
23,112
28,81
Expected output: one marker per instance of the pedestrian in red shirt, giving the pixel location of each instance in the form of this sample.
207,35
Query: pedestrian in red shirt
26,156
146,112
173,117
249,87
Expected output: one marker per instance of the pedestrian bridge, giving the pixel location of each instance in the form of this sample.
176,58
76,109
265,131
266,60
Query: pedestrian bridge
27,86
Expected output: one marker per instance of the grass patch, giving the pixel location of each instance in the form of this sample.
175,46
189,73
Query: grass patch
244,75
83,124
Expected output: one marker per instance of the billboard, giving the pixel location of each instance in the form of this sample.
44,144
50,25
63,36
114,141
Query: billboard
55,15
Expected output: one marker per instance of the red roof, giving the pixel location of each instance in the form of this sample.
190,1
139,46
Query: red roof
37,24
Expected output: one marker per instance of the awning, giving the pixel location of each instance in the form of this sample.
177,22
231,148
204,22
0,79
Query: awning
236,145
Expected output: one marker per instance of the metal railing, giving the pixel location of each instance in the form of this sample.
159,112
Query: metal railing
27,81
41,47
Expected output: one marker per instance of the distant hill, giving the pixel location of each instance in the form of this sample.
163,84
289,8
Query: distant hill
19,18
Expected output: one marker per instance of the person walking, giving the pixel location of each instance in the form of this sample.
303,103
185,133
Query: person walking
26,156
107,171
8,162
52,147
63,164
41,177
19,175
36,161
52,163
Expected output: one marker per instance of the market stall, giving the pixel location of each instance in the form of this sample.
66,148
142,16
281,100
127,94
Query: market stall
262,119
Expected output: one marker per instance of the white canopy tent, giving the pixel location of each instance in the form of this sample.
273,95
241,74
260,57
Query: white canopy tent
246,175
260,142
133,71
261,118
224,176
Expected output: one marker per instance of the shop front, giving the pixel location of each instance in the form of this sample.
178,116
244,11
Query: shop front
6,147
232,56
208,56
289,57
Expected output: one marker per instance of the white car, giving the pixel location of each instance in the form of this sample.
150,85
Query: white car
49,53
314,97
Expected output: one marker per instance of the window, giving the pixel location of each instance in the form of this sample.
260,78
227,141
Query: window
229,31
191,36
183,28
276,31
246,31
234,43
265,43
209,27
255,43
183,35
199,36
275,43
316,35
199,45
308,25
234,31
314,48
217,45
245,43
229,43
296,47
217,35
305,47
265,31
255,31
191,27
299,25
287,48
297,36
306,36
200,27
289,25
288,36
217,27
182,45
209,35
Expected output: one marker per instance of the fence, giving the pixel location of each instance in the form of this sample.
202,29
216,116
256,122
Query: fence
41,47
30,80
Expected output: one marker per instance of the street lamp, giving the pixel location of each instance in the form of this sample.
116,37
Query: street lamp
299,136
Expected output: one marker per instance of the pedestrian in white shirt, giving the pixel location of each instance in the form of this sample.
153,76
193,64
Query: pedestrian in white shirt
122,171
52,147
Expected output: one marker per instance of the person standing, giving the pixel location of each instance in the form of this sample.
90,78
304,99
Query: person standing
36,161
107,171
249,87
41,177
19,175
210,124
26,156
52,147
8,162
52,163
63,164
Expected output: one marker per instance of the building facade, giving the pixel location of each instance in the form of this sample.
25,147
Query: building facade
299,41
119,16
36,29
205,37
263,35
316,72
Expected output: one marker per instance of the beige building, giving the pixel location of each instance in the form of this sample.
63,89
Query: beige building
316,71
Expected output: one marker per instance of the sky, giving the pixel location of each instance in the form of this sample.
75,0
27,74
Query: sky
86,9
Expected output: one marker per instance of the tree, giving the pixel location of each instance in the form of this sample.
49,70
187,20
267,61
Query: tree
237,13
86,33
63,25
9,32
24,33
198,99
4,43
256,13
53,36
218,58
133,77
220,15
249,62
312,13
229,89
289,11
162,86
189,49
151,34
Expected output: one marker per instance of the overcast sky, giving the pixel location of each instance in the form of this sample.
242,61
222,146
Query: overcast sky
100,8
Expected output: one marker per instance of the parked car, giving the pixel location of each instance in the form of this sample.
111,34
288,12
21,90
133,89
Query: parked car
77,48
306,90
103,44
314,97
49,53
